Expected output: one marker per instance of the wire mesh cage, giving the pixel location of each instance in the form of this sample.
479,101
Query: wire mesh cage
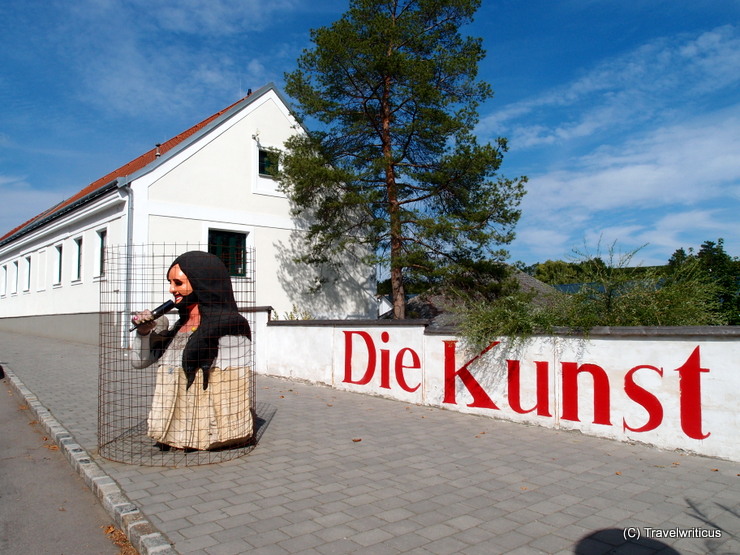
176,390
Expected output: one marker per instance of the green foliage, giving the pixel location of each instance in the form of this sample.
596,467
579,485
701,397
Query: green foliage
718,268
513,314
615,293
499,306
612,293
556,272
295,313
393,165
685,298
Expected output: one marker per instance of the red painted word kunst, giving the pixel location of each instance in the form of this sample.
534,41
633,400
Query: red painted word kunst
401,368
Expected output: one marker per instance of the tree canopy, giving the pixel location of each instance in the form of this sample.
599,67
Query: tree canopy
719,268
392,164
694,289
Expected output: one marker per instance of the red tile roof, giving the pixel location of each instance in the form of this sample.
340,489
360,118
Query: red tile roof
125,170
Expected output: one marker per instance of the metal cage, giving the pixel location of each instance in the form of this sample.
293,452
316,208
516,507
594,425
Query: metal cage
130,397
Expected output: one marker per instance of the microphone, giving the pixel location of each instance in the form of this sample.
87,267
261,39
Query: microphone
164,308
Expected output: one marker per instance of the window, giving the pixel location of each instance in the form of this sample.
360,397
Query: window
58,269
102,244
77,276
27,284
4,281
268,162
14,282
230,247
41,274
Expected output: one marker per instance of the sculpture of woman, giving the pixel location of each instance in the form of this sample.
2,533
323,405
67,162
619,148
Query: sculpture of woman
202,396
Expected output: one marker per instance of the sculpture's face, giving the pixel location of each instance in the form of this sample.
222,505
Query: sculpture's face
179,283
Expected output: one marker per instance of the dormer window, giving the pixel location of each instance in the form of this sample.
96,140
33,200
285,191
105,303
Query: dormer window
268,162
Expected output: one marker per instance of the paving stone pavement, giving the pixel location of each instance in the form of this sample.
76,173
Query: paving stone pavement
338,472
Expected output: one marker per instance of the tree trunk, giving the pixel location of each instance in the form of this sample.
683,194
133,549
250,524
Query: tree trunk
397,289
394,210
399,294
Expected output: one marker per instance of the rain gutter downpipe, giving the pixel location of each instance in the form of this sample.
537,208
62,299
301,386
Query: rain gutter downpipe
129,192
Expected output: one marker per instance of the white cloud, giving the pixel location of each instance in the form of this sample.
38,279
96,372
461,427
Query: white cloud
689,229
21,202
672,186
540,242
646,85
656,235
641,150
140,57
193,17
685,163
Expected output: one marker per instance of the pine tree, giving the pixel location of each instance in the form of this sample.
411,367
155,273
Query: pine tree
393,165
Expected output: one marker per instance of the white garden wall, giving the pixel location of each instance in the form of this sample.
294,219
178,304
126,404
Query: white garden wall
675,388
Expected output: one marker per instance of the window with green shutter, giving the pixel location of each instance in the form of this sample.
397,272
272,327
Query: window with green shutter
231,248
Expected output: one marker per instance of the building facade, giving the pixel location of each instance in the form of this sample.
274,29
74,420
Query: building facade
210,185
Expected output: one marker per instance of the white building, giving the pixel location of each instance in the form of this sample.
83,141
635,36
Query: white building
208,184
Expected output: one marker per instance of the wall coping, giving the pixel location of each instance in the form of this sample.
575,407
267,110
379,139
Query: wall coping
725,332
350,323
656,331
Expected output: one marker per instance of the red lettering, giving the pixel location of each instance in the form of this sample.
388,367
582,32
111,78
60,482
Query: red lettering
400,365
415,365
480,397
361,343
690,388
645,399
543,388
570,392
370,345
385,363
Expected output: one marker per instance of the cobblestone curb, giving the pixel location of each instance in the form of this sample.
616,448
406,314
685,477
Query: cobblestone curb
141,533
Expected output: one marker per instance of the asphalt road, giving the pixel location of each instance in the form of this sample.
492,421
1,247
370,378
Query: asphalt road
45,507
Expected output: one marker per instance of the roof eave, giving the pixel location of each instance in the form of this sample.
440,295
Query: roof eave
205,130
121,181
97,193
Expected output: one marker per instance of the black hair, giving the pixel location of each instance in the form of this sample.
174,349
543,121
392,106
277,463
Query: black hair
219,315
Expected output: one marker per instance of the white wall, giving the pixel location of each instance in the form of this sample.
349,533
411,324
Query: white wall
211,183
47,291
674,392
215,184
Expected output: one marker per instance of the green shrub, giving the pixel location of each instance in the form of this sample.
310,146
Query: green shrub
611,294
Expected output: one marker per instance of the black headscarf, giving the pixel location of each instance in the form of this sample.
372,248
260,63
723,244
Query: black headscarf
219,315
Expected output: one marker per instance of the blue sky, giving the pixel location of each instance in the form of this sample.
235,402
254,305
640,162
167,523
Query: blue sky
625,116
